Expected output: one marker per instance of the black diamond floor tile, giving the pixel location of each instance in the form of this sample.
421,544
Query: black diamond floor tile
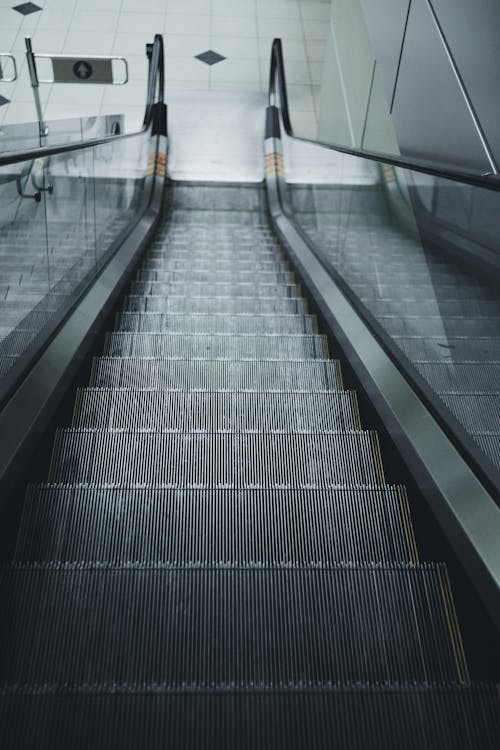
3,101
27,8
210,57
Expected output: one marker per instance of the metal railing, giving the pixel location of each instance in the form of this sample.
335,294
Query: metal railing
156,80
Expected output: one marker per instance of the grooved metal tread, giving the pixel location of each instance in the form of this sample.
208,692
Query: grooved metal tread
459,376
430,325
282,526
450,348
215,305
227,626
160,322
443,292
231,459
236,411
164,261
215,346
132,717
216,288
213,276
210,374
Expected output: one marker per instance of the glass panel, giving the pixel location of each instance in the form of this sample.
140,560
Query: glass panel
24,136
51,248
422,257
24,274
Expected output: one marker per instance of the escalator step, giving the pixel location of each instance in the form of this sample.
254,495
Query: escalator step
205,527
459,376
478,412
470,308
412,717
163,261
206,374
216,305
224,459
490,445
216,289
190,255
150,322
448,348
409,291
226,626
213,412
430,325
212,276
223,346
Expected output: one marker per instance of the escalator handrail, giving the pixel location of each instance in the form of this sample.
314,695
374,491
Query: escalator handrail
278,92
156,77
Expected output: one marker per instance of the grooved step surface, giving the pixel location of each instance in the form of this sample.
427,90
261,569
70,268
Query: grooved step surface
210,304
211,346
166,261
212,412
225,626
217,289
450,350
358,718
460,377
206,374
215,276
286,526
152,322
217,459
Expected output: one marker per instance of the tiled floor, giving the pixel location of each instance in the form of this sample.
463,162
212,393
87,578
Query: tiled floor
239,30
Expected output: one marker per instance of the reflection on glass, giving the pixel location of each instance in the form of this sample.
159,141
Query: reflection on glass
50,247
422,256
26,135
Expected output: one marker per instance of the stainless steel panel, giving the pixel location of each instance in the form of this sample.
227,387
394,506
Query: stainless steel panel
472,31
430,114
386,21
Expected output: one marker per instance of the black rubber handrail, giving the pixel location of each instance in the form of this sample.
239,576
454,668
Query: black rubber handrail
278,92
155,79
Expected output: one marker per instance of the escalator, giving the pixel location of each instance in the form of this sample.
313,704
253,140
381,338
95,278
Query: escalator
216,558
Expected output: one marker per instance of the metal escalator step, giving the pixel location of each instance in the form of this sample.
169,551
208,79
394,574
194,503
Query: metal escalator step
163,261
465,307
382,290
192,255
224,459
188,411
216,289
489,444
211,346
194,275
7,361
227,626
211,304
17,341
460,376
160,322
430,325
206,374
453,349
269,527
477,412
391,717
